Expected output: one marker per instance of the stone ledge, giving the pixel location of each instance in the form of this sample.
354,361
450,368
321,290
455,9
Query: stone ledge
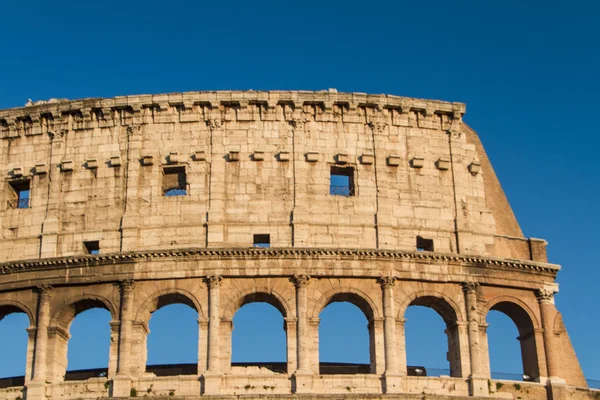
256,253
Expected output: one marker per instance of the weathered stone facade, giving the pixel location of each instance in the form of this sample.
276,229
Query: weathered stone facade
90,176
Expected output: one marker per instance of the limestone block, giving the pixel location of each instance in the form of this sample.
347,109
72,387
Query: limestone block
67,165
41,169
233,156
417,162
173,157
258,156
147,160
312,156
199,155
393,160
115,161
91,163
367,159
443,163
17,172
474,167
342,158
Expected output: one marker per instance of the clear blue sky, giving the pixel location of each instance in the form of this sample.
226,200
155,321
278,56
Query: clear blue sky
528,71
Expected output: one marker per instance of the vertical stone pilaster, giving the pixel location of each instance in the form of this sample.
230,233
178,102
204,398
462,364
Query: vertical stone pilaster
122,381
202,345
113,358
36,389
547,312
478,381
31,335
401,346
41,342
291,331
389,325
303,375
213,374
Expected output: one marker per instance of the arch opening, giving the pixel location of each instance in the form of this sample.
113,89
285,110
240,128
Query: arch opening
172,337
88,349
13,346
259,337
80,328
431,323
507,359
346,336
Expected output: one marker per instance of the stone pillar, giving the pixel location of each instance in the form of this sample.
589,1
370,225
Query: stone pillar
113,358
213,374
291,333
303,376
547,311
31,335
122,381
36,389
478,381
389,325
202,345
401,346
483,347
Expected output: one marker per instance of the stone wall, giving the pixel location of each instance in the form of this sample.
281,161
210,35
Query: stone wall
138,202
255,163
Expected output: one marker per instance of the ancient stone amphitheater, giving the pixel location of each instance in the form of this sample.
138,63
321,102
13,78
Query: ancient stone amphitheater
136,202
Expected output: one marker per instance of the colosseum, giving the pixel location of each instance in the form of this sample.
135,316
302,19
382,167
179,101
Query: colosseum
294,198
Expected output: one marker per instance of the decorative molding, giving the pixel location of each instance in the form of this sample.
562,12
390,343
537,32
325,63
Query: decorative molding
386,281
213,281
300,281
470,287
266,253
545,295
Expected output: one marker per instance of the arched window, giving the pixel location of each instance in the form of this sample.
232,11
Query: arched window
346,336
13,346
172,344
258,337
432,338
79,339
89,344
510,358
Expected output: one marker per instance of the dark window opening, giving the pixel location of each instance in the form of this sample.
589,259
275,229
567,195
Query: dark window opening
342,181
19,198
174,181
424,244
262,240
92,247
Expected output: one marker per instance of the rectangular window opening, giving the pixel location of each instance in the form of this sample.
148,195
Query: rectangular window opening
20,192
424,244
92,247
174,181
341,181
262,240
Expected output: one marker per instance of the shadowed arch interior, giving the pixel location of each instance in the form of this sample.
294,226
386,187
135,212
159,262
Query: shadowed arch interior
355,299
262,297
522,320
517,314
439,305
66,316
10,309
448,314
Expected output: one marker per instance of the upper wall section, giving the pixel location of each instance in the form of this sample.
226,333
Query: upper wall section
246,164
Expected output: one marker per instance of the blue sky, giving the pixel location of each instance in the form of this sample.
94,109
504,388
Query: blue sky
528,71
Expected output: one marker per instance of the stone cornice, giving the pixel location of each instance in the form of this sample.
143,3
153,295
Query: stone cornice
55,116
274,253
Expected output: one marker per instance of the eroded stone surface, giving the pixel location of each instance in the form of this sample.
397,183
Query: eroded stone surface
427,223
